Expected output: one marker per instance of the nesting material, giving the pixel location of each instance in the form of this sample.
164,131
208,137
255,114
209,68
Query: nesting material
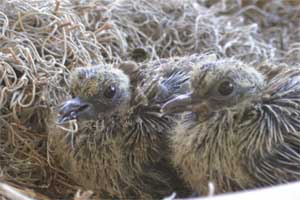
41,41
9,192
278,22
182,27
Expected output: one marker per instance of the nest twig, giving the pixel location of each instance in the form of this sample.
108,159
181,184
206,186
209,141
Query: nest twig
41,41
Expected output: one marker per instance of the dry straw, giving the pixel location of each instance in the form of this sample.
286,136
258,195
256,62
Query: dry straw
278,22
41,41
182,27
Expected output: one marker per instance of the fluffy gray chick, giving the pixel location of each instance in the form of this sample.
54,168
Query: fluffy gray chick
244,128
121,147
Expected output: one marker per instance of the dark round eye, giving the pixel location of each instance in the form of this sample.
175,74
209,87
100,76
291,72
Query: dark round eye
226,88
110,92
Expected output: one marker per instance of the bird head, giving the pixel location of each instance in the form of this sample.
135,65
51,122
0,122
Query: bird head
96,91
218,85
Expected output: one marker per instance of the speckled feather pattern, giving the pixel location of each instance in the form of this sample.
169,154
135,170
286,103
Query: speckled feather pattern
125,153
252,144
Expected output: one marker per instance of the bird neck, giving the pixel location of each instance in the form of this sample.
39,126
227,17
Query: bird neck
235,111
103,129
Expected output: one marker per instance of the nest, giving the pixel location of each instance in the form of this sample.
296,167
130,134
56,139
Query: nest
41,41
177,28
278,23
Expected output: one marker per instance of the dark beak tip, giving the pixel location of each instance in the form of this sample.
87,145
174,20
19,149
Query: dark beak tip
65,118
69,110
75,109
61,120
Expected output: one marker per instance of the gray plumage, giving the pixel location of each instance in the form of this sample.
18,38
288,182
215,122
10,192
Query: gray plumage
244,128
121,149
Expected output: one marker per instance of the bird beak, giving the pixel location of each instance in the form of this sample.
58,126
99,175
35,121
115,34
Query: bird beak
185,102
75,108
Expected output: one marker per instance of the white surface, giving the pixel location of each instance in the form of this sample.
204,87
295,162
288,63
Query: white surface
290,191
11,193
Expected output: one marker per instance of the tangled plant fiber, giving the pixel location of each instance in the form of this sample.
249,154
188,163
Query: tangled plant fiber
41,41
178,28
278,22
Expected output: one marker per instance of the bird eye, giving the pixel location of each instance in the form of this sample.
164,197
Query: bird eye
226,88
110,92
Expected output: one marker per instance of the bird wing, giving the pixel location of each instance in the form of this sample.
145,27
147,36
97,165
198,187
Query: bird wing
174,76
171,84
280,165
276,156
